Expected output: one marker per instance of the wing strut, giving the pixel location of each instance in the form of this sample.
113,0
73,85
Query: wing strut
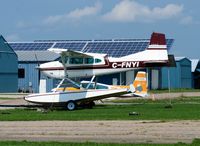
64,60
61,82
90,82
76,84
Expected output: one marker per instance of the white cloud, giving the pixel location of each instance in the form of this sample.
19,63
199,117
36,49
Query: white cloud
130,11
75,14
87,11
12,37
187,20
54,19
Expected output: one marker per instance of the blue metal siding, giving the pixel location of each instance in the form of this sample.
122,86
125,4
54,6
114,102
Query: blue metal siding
32,78
173,77
30,81
8,82
180,76
8,68
107,79
186,75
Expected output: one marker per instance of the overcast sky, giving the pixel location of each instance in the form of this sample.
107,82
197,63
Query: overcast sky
28,20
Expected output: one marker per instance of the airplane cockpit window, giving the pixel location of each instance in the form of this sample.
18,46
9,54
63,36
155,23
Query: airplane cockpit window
84,85
63,59
97,60
89,60
76,61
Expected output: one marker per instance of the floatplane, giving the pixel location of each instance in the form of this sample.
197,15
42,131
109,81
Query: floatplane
83,64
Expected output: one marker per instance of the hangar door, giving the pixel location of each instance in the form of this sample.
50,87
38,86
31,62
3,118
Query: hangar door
154,79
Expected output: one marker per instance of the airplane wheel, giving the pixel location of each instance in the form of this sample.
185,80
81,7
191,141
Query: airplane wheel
71,105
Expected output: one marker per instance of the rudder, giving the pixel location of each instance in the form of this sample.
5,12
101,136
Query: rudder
139,86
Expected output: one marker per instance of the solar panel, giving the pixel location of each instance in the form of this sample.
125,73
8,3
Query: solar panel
72,45
120,48
30,46
114,48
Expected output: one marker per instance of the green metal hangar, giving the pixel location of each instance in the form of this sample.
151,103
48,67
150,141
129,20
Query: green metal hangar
8,68
33,53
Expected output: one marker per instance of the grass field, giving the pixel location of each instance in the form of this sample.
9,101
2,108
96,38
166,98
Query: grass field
185,108
174,90
24,143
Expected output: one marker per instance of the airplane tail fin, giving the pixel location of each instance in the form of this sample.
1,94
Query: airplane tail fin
139,86
157,42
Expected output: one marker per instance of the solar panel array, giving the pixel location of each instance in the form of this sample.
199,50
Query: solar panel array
73,46
30,46
114,48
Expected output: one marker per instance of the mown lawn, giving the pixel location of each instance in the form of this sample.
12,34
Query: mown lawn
182,109
25,143
174,90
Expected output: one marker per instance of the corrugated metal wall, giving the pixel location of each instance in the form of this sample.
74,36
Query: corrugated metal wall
186,75
174,77
31,80
180,76
8,68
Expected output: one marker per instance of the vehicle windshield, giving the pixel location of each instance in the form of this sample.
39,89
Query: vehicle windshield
92,86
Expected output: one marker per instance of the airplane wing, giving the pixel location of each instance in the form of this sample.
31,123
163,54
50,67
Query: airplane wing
68,52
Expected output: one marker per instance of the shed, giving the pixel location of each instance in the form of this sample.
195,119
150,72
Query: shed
8,68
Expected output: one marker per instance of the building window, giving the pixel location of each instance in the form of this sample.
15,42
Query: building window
21,73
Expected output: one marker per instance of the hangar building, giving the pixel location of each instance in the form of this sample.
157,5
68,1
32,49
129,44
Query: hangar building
8,68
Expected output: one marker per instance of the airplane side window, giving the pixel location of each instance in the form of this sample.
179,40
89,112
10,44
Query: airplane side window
89,60
76,60
97,60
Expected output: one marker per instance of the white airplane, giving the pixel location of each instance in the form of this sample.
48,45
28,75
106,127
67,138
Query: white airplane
89,92
81,64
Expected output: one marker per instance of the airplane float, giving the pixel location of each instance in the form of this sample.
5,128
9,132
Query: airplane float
88,92
81,64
